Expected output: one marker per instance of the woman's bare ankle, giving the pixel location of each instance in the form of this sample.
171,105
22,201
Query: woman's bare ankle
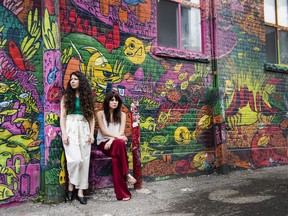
130,179
70,187
80,193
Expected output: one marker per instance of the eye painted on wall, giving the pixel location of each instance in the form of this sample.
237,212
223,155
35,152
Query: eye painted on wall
132,46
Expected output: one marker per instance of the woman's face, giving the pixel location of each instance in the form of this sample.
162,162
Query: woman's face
74,82
113,103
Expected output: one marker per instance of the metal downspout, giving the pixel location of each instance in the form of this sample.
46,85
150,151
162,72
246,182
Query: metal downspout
219,128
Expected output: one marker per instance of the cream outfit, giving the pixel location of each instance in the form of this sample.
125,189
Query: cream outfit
114,128
78,150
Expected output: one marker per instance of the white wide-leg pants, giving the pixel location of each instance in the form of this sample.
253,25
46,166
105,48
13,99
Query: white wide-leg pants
78,150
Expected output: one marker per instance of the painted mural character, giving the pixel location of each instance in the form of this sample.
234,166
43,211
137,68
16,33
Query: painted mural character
137,61
254,105
77,126
99,70
268,146
135,50
204,131
229,89
111,140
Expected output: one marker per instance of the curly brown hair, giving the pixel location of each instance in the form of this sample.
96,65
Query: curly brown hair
86,97
117,111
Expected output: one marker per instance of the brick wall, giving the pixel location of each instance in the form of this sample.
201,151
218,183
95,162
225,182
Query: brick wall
253,97
196,113
21,101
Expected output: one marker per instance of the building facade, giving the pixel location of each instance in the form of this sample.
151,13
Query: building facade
204,85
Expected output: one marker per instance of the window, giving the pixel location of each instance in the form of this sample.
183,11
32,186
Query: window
179,24
276,20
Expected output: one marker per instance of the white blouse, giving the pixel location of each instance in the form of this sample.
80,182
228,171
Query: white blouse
113,127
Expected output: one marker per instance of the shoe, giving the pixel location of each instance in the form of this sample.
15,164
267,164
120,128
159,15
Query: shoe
82,200
70,196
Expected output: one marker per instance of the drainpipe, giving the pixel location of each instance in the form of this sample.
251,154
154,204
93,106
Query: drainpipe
136,147
213,42
219,128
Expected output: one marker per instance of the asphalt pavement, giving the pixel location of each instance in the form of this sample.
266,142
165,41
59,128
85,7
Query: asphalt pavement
247,192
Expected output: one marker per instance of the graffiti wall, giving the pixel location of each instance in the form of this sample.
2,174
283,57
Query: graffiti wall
21,100
111,42
187,114
55,170
254,98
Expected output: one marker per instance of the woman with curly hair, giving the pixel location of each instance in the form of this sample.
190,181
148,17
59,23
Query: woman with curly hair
111,140
77,126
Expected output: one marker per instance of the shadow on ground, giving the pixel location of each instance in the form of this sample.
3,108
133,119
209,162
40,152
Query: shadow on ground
258,197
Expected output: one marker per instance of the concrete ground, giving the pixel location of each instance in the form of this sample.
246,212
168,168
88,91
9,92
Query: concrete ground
247,192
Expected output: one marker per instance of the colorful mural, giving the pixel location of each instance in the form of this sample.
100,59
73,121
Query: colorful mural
255,100
55,170
187,113
175,118
21,101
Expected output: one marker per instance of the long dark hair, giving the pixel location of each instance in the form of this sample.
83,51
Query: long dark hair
117,111
86,97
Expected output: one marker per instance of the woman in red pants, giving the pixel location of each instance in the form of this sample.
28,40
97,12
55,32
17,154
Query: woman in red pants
111,140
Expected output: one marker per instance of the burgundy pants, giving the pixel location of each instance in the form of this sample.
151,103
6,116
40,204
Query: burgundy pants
119,167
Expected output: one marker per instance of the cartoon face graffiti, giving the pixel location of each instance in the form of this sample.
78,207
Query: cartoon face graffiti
229,88
135,50
163,117
198,161
204,122
100,70
182,136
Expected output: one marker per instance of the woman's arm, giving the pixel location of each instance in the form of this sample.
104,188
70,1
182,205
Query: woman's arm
63,116
92,125
122,124
121,132
92,128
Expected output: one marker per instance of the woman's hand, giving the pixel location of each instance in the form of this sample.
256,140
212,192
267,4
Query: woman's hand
65,139
122,137
108,144
91,139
